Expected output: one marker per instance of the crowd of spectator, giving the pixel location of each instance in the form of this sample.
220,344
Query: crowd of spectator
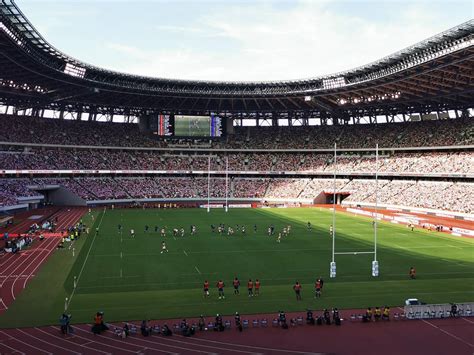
452,196
424,133
408,134
11,189
448,195
94,159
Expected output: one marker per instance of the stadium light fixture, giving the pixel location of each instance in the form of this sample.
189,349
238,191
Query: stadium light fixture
74,70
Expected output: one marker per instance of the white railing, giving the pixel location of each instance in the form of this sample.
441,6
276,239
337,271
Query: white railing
430,311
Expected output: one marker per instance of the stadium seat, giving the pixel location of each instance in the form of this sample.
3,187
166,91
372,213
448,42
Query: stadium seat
396,316
210,326
299,320
275,322
426,313
245,323
468,312
156,329
440,312
255,323
264,323
117,331
353,317
132,329
227,324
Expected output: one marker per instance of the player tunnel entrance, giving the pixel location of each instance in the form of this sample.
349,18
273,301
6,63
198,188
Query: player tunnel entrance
327,197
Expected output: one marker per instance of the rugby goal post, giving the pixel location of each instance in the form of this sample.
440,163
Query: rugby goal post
226,204
375,263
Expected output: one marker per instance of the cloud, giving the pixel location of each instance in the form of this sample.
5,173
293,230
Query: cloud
184,29
253,41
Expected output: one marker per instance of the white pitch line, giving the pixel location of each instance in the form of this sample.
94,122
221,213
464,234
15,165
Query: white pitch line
199,272
184,251
85,261
121,255
121,273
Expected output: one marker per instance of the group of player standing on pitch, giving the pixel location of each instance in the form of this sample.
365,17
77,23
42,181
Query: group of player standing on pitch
318,288
253,288
176,232
223,229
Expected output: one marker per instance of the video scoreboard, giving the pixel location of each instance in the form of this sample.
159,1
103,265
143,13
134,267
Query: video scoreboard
186,126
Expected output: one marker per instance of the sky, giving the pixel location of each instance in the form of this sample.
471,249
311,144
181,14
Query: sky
230,40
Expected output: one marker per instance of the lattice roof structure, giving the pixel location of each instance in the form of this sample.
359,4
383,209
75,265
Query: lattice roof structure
433,75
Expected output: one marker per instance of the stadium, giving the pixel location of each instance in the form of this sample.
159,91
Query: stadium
134,206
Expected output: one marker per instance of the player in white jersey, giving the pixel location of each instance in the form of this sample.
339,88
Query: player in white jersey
163,247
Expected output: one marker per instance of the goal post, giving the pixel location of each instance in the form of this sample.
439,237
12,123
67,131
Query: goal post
209,184
332,266
375,262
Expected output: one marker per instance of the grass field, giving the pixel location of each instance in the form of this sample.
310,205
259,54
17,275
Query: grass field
130,279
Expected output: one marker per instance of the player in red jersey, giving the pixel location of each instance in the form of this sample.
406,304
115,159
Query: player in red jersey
317,288
250,287
236,284
206,288
297,287
220,288
257,287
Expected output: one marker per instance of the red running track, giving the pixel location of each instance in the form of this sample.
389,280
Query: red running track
17,269
25,222
433,336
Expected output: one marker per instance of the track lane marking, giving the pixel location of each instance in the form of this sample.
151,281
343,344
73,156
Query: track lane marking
448,333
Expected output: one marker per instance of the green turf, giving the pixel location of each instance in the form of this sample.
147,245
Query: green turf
129,278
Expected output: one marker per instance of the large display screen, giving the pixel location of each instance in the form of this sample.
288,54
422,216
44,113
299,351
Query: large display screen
197,126
161,125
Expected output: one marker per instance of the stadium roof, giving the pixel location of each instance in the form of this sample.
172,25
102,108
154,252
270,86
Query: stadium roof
433,75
